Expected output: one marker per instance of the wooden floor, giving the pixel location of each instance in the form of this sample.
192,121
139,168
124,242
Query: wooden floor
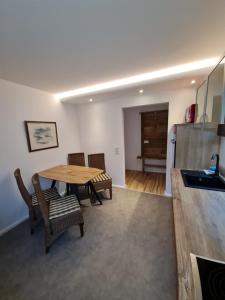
146,182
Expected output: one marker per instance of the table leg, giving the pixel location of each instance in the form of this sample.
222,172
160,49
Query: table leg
53,184
74,189
93,191
67,189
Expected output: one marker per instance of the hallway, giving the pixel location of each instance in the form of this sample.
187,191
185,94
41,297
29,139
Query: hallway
146,182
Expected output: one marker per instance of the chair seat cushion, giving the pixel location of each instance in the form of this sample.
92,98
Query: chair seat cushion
63,206
49,194
101,177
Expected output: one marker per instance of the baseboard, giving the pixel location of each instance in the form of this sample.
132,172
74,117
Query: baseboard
3,231
166,194
119,186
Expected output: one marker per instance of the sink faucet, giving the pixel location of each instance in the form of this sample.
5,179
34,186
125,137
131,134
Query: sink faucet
217,157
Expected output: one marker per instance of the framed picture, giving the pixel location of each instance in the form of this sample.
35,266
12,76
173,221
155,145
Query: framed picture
41,135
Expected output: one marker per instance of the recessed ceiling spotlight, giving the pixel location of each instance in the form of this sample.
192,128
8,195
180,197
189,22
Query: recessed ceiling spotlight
193,81
90,100
141,91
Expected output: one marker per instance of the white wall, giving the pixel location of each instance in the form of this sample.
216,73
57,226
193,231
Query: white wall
132,137
19,103
102,129
94,127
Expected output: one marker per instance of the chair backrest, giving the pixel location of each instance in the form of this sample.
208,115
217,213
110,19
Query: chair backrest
97,161
40,197
76,159
23,190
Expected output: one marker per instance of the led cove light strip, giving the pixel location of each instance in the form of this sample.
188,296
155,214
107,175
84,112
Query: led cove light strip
197,65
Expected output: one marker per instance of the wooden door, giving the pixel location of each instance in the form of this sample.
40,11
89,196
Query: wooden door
154,126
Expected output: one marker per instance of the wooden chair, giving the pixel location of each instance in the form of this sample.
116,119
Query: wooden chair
58,214
102,181
77,159
31,200
82,191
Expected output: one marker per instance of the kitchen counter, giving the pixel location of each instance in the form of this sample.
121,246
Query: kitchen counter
199,220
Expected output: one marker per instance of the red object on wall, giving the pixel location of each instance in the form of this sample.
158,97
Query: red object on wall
190,114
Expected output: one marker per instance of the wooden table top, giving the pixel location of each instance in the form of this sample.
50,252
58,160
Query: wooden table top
71,174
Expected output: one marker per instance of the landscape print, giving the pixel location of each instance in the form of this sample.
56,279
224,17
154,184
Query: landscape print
41,135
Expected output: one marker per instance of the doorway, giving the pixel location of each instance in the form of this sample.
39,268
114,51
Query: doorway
145,137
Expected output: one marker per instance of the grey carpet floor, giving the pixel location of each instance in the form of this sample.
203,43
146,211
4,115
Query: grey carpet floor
127,253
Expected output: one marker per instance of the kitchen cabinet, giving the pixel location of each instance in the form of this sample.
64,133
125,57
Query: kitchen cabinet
210,97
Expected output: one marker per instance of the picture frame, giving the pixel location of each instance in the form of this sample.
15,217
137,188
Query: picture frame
41,135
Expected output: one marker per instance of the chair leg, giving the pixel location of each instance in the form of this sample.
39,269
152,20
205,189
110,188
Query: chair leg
48,239
32,221
81,229
110,193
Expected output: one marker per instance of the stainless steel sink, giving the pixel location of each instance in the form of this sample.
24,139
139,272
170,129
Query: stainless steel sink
199,180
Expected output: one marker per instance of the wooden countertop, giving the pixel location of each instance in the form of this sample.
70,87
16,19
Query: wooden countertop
199,219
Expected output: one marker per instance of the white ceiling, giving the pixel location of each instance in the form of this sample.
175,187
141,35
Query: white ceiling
57,45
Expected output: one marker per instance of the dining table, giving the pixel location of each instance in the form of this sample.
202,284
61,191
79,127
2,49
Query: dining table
74,176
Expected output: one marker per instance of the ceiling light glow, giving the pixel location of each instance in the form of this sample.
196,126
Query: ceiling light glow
90,100
145,77
193,81
141,91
